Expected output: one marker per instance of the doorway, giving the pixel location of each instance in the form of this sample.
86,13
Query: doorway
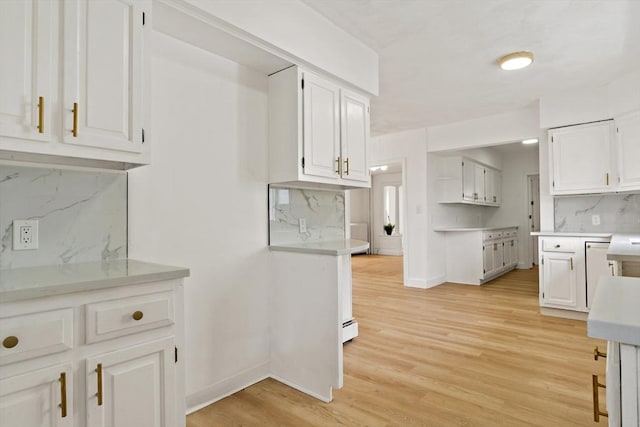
533,205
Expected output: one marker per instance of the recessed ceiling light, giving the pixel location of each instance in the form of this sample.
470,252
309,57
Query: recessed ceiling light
384,168
516,60
374,168
530,141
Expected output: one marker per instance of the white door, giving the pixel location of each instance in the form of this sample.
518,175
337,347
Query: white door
581,158
559,288
28,44
42,398
354,136
597,266
137,387
468,180
321,123
103,58
479,180
628,148
533,201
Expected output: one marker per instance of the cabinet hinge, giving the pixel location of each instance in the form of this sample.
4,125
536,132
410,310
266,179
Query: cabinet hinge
553,183
176,353
367,109
543,295
143,18
303,163
484,271
463,163
302,83
143,135
551,139
542,260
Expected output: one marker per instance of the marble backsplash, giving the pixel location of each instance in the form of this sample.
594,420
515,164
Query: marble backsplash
322,210
82,215
618,213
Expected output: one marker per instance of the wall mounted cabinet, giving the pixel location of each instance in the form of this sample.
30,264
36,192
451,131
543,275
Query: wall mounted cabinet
463,180
100,76
318,132
596,157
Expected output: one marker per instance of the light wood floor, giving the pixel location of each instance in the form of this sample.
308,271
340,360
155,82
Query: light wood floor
453,355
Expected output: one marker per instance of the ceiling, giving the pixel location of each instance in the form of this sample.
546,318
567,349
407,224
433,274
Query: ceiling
438,57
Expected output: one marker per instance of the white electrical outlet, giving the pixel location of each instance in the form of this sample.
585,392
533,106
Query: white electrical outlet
25,234
595,219
302,225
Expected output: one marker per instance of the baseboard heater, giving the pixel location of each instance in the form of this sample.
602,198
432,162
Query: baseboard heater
349,330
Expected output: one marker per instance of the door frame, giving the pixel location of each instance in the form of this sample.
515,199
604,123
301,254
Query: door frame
532,240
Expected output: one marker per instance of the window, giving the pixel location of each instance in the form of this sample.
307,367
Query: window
392,197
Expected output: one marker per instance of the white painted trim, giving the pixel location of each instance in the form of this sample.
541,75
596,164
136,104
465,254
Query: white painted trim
389,252
227,387
566,314
416,283
435,281
523,266
304,390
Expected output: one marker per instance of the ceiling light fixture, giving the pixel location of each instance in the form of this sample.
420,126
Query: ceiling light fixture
516,60
384,168
530,141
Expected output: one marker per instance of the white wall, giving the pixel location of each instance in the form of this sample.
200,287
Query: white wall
409,147
491,130
514,209
359,202
202,204
297,29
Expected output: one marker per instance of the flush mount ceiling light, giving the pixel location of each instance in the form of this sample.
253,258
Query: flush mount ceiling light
530,141
516,60
375,168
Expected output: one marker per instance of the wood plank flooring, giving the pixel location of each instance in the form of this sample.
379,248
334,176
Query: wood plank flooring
453,355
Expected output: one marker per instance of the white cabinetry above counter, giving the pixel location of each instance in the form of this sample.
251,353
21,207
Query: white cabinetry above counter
463,180
77,71
318,131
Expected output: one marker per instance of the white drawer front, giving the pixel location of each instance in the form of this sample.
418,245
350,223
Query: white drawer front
116,318
559,245
37,334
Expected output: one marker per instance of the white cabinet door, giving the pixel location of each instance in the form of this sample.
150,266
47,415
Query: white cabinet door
468,180
354,136
138,387
489,182
27,48
42,398
628,148
487,258
498,256
597,266
513,249
506,245
559,287
630,384
321,124
497,187
582,158
479,183
103,57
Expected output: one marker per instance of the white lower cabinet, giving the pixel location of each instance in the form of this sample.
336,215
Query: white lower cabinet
41,398
118,346
630,385
560,279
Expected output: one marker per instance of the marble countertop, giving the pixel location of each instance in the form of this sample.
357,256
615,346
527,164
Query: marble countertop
622,248
474,228
569,234
614,315
333,247
35,282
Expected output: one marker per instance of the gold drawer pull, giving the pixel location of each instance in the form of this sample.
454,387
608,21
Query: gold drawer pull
63,394
557,246
338,165
137,315
75,119
99,393
41,114
596,400
346,162
571,259
607,178
10,342
597,353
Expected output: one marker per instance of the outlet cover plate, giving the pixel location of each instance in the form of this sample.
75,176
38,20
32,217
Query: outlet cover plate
25,234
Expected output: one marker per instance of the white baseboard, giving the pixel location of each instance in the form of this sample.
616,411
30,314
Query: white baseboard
389,252
435,281
523,266
227,387
567,314
416,283
304,390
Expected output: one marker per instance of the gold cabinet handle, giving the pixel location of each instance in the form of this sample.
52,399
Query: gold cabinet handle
346,162
571,259
597,353
41,114
596,399
99,393
10,342
63,394
75,119
338,165
137,315
607,178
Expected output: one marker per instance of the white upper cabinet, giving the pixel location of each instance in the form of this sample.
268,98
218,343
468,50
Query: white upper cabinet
480,183
103,54
581,158
355,136
321,117
318,131
27,48
468,179
628,148
462,180
72,75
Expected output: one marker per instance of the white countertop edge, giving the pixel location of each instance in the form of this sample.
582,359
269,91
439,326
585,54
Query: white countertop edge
569,234
621,248
334,247
42,281
474,228
614,315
